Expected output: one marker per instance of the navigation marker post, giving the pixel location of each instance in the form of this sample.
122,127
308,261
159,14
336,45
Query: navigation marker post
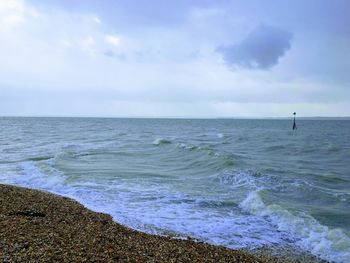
294,125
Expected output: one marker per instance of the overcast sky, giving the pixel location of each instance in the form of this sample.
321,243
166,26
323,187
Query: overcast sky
175,58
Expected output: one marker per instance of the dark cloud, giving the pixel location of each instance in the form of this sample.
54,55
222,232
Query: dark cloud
261,49
109,53
112,54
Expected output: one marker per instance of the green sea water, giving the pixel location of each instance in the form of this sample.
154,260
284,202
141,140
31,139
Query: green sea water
234,182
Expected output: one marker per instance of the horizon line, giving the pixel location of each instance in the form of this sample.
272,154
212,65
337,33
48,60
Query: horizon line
174,117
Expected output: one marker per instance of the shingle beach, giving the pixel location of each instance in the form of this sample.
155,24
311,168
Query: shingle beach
37,226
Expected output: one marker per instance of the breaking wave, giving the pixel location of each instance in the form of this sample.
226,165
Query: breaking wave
329,244
161,141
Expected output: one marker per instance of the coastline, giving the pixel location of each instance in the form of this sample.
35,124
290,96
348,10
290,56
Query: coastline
37,226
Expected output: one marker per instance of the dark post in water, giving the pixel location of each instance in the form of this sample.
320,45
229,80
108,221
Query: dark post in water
294,125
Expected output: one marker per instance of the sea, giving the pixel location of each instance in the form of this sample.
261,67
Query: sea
239,183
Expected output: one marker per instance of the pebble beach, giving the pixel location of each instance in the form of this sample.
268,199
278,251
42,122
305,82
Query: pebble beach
37,226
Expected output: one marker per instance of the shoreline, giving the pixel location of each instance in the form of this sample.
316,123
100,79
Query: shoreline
37,226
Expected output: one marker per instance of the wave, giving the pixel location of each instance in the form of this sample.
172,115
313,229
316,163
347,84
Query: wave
306,186
81,147
328,244
32,176
276,148
188,147
331,244
332,148
162,211
249,179
39,158
34,159
160,141
225,160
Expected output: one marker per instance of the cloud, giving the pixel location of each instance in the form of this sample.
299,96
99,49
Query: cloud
96,19
87,44
66,43
11,13
97,64
88,41
109,53
113,40
261,49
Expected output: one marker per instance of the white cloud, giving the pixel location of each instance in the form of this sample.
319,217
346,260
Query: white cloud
96,19
12,13
88,41
11,6
113,40
87,44
66,43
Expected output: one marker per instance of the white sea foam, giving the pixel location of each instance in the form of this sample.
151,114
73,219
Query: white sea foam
31,176
187,147
329,244
220,135
238,179
155,209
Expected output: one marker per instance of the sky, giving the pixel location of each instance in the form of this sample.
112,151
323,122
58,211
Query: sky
183,58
